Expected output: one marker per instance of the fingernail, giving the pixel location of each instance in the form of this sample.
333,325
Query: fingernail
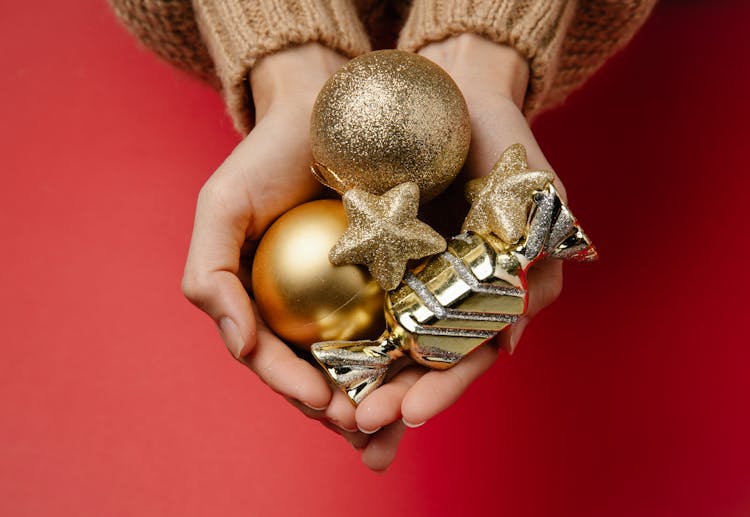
313,407
409,424
340,425
231,336
516,331
373,431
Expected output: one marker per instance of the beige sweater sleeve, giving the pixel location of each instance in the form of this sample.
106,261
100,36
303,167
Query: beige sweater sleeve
220,40
564,41
239,32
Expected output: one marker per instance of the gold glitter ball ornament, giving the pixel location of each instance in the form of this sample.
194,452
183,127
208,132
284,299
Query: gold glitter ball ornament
389,117
302,296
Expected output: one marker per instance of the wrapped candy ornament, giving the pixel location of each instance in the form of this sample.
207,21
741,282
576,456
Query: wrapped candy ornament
389,129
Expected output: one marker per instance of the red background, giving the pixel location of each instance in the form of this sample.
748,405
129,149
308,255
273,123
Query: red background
628,397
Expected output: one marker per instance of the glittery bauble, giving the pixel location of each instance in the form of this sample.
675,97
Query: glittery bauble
302,296
388,117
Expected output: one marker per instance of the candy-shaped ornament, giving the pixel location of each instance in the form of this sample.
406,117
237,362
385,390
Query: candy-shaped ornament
391,128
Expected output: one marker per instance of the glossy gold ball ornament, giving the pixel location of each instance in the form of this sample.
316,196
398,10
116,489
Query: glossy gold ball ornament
302,296
388,117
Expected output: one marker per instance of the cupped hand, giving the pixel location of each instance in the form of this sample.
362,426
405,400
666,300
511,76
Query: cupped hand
267,174
493,79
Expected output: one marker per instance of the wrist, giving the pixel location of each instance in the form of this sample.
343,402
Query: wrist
292,75
480,66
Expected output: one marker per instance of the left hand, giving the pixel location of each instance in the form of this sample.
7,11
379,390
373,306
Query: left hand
494,80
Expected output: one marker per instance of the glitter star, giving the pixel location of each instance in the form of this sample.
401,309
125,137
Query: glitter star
500,202
384,233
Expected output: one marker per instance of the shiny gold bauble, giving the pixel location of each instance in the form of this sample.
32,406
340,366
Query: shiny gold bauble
302,296
388,117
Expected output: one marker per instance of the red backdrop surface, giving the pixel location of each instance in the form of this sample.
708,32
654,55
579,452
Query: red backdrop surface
630,396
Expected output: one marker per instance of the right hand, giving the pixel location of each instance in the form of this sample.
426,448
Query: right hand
267,174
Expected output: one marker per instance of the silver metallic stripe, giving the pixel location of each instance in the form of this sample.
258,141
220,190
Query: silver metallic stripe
454,332
541,222
441,312
563,227
465,274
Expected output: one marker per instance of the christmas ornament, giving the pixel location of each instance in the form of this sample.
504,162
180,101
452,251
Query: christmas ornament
388,129
384,233
386,118
302,296
501,200
453,302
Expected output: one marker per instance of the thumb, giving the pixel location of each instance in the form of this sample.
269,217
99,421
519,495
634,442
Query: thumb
210,279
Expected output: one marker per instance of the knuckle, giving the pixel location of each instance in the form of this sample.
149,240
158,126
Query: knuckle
211,193
196,288
460,383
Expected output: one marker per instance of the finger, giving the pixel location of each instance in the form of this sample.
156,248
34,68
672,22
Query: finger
210,280
437,390
285,373
381,450
340,411
383,406
356,439
545,282
314,414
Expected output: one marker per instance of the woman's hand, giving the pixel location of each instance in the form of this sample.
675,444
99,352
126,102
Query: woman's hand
493,79
267,174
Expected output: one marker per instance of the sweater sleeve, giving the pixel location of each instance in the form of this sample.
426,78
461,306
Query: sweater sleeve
564,41
168,28
239,32
221,40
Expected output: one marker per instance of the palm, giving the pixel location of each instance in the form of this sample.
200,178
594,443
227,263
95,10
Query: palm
417,394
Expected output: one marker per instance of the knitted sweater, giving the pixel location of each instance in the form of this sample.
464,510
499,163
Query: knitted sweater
564,41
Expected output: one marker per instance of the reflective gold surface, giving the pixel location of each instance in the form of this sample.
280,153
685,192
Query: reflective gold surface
444,309
389,117
302,296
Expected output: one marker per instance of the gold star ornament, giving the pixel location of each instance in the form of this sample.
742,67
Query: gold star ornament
500,202
384,233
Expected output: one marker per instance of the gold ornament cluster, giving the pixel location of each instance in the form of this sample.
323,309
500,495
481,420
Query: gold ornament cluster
390,130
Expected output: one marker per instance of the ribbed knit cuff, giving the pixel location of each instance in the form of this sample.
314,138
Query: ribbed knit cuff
239,32
535,28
